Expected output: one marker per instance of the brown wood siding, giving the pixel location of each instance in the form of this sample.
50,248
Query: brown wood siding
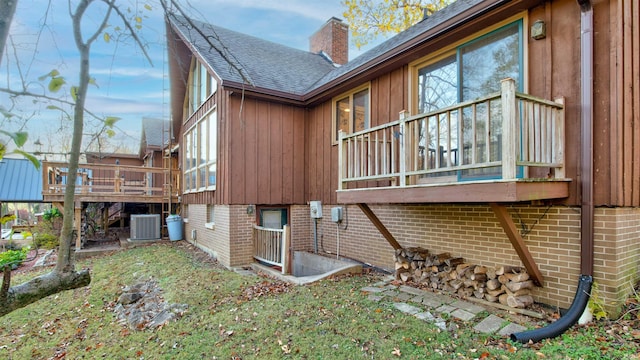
265,161
388,97
616,99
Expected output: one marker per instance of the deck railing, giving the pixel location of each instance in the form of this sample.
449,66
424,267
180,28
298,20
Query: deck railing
498,136
101,179
271,246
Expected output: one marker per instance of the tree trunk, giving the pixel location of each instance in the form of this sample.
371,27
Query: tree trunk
8,8
40,287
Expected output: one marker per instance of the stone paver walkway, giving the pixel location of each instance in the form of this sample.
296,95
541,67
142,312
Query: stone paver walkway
429,306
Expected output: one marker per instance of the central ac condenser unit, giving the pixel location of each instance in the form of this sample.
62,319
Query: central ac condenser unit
145,227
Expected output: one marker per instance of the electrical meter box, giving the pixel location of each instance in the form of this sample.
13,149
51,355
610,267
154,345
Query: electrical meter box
336,214
316,209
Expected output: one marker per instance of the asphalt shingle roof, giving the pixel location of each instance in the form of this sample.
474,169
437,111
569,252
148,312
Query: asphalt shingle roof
20,181
266,64
155,132
277,67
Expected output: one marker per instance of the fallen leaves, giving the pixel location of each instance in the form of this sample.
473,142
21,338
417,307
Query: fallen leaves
265,288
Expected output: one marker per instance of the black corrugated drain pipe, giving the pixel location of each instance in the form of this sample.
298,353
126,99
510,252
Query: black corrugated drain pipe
581,298
567,320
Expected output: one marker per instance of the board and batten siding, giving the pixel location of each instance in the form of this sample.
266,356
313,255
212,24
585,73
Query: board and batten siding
262,152
617,103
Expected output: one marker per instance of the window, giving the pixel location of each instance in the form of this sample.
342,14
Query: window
201,85
351,112
468,71
210,223
273,218
200,155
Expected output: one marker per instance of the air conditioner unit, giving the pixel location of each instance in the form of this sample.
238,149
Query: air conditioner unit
145,227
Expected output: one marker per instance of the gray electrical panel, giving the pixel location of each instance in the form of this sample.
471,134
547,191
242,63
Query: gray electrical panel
336,214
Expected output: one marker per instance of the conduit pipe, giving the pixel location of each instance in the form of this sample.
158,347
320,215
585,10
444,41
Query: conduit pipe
585,177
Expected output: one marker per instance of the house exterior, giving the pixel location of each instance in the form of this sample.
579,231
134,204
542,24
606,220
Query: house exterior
504,132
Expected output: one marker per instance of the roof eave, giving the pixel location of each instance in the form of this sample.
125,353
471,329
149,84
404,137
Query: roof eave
263,93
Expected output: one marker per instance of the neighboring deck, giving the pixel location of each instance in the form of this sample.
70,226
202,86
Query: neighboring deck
111,183
506,147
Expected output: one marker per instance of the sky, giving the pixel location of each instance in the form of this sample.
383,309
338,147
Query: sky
129,87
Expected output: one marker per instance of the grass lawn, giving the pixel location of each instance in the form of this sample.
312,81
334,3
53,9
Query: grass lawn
233,316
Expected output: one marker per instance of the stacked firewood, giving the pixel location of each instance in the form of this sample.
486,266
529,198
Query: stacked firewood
508,285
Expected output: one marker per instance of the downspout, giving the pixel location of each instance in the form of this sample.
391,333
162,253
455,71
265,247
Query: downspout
583,292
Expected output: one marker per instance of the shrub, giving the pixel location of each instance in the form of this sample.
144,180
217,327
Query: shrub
52,214
14,257
46,241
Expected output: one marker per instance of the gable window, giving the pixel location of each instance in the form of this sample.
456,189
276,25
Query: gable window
351,112
201,86
200,155
467,71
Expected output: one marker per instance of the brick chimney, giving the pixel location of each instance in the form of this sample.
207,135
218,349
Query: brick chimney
333,39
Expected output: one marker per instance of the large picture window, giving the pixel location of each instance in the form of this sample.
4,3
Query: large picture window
471,70
351,112
200,155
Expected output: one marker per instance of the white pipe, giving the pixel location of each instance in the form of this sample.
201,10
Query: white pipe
338,240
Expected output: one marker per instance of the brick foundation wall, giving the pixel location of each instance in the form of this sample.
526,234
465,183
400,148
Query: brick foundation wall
214,241
552,235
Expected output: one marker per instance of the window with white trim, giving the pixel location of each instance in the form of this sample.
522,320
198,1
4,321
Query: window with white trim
200,155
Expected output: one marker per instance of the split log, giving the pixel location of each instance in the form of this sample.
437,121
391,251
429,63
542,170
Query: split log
496,292
405,276
480,270
478,277
515,286
519,301
507,269
503,299
493,284
456,284
491,273
401,262
518,277
454,261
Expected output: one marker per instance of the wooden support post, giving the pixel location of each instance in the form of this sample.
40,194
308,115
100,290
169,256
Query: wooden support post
518,243
379,225
342,162
404,142
509,130
78,225
105,219
559,140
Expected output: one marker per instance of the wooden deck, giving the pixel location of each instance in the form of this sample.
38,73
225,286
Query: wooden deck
506,147
111,183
